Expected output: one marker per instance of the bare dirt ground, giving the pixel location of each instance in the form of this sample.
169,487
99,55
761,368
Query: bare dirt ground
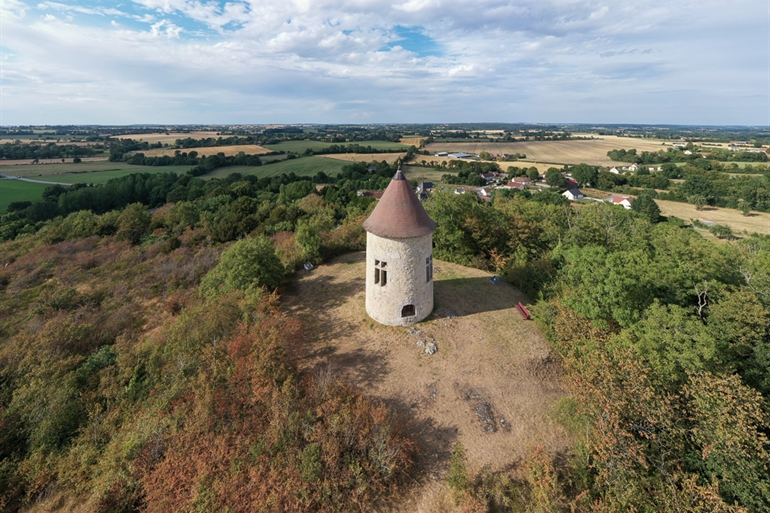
493,384
563,152
205,151
167,138
390,158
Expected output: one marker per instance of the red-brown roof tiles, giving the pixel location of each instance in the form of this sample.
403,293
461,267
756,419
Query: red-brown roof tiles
399,213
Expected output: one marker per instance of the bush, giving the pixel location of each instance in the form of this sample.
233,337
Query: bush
248,264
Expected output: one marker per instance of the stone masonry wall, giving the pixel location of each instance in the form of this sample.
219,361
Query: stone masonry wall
406,279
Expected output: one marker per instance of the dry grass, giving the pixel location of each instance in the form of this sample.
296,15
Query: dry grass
390,158
562,152
248,149
168,138
412,141
487,351
757,222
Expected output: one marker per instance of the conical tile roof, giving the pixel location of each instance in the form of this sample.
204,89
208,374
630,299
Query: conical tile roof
399,213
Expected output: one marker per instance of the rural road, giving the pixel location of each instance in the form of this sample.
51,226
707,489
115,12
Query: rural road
11,177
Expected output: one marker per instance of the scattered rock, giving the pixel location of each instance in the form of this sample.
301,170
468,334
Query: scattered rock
505,425
449,314
481,408
415,331
433,392
420,343
484,412
431,348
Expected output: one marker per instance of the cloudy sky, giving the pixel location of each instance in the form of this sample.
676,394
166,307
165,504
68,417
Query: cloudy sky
374,61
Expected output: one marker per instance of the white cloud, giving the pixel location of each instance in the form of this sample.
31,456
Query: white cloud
290,60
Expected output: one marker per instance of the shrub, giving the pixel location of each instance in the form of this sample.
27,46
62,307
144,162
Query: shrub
248,264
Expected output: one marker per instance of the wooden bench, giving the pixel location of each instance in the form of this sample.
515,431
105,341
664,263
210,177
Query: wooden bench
523,311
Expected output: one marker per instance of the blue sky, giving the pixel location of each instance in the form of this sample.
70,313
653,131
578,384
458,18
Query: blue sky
373,61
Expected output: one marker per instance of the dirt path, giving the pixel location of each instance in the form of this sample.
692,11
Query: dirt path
11,177
492,384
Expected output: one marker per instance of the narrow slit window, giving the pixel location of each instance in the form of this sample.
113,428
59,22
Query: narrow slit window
380,273
429,269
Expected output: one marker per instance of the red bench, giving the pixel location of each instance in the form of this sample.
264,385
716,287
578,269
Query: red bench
523,311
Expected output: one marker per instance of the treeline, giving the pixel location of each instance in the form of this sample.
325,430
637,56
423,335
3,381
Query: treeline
354,148
155,189
704,183
13,151
666,343
678,155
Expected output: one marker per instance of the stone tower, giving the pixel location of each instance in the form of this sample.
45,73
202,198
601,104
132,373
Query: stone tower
399,257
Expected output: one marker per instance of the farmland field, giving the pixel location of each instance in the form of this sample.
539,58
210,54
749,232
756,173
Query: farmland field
304,166
16,190
429,174
248,149
562,152
301,146
412,141
758,222
390,158
85,172
171,137
49,161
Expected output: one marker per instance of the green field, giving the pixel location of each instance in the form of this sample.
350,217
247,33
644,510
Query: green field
16,190
301,146
304,166
85,172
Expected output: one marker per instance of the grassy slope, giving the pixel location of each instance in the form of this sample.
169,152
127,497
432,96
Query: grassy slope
305,166
16,190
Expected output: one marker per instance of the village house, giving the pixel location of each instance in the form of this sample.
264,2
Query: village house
573,194
614,170
617,199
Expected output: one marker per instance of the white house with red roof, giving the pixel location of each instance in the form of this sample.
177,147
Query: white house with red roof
617,199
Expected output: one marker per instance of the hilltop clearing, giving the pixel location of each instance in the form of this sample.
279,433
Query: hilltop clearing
492,385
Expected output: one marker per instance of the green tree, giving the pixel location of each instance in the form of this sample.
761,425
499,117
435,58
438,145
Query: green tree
132,223
585,174
645,204
309,239
533,173
250,263
555,178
